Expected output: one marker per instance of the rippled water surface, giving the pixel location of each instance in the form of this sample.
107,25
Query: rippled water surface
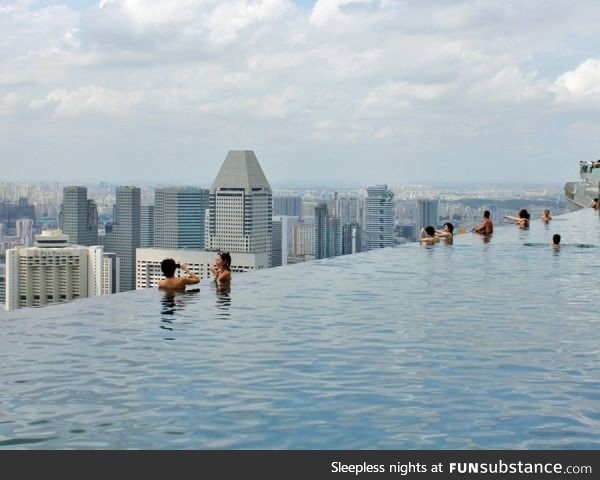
475,345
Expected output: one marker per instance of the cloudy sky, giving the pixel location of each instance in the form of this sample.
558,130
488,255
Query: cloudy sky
339,91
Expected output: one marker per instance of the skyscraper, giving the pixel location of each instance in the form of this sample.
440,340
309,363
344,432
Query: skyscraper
123,236
351,239
179,215
288,205
427,214
25,231
240,207
379,217
79,217
146,226
328,233
304,239
279,249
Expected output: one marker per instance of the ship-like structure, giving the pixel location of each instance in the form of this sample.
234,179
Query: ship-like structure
581,194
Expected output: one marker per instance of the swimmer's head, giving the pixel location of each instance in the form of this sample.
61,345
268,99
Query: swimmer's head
556,239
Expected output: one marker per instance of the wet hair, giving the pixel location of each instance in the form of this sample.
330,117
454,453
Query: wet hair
486,214
450,226
168,267
523,213
226,260
430,231
556,239
547,211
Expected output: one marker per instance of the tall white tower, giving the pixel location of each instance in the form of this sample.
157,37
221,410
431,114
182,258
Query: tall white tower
379,217
240,207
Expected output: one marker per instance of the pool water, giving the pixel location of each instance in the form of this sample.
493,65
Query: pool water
478,345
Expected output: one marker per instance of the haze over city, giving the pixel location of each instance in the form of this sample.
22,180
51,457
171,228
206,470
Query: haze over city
337,91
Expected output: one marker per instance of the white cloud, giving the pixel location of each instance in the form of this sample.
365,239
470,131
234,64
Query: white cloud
88,100
581,85
393,76
9,103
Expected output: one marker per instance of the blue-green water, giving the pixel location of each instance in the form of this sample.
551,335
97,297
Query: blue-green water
475,345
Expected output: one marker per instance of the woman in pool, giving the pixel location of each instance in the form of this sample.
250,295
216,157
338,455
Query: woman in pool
447,233
522,220
221,269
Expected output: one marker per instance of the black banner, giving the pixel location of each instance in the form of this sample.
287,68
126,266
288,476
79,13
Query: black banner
337,464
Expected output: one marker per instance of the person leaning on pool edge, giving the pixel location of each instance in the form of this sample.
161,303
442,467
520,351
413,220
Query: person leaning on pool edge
171,282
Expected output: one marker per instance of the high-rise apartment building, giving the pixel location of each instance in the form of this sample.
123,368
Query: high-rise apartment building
110,274
24,227
379,226
279,248
351,239
240,211
53,271
79,217
427,214
350,209
304,239
179,217
288,205
146,226
2,287
123,236
328,233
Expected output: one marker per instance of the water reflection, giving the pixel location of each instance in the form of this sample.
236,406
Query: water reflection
223,304
173,302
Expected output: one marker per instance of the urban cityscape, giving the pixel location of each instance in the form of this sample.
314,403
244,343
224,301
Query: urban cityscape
64,242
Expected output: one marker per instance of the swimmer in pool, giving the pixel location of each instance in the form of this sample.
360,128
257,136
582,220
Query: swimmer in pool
171,282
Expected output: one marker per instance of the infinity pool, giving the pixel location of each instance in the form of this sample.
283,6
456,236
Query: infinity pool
477,345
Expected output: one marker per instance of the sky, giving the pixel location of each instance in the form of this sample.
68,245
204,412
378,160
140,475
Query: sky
348,92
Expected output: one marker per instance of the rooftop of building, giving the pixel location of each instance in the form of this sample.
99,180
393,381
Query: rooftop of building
240,169
476,345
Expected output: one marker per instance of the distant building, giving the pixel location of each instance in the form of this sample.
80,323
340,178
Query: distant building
304,239
148,272
328,233
110,274
288,205
351,239
123,236
379,226
24,227
179,216
350,209
78,218
240,211
427,214
10,213
146,226
2,287
279,248
53,271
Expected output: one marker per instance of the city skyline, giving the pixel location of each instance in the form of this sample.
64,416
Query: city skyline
331,91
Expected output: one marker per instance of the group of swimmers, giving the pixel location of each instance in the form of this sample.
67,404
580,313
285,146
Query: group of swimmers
429,235
220,271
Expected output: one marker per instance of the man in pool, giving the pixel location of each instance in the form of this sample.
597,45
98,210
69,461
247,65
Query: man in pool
427,236
171,282
486,227
556,240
